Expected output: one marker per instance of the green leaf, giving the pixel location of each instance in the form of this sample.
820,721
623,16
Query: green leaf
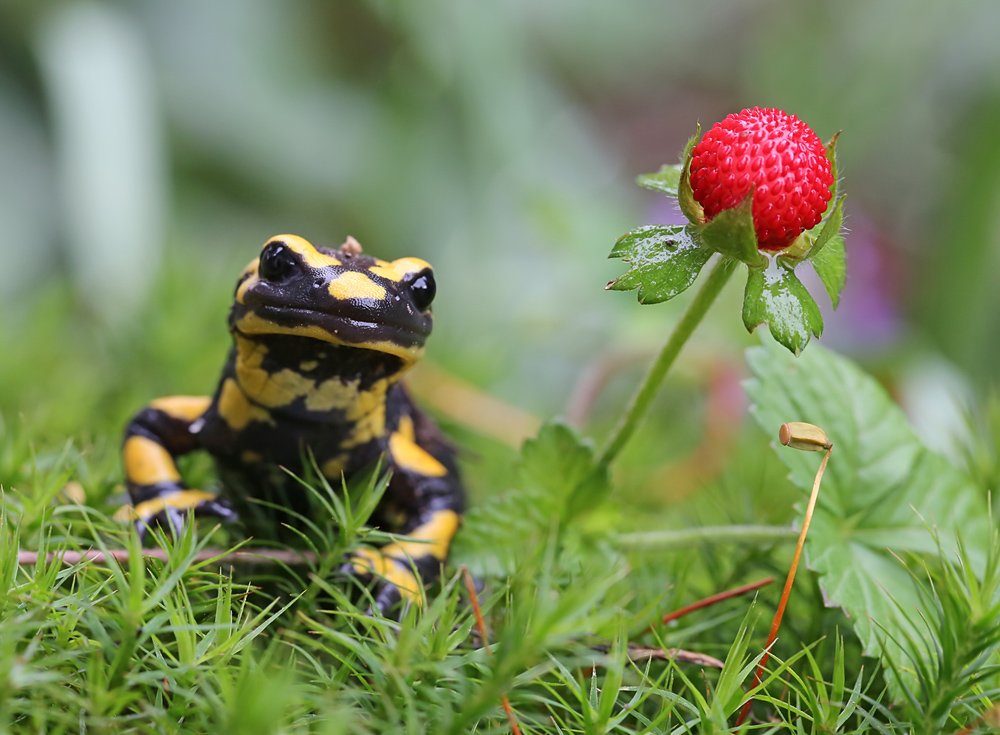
560,467
665,261
731,233
685,195
880,487
831,267
558,480
775,296
666,179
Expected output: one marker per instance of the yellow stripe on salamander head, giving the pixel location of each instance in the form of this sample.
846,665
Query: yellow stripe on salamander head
310,255
356,285
398,270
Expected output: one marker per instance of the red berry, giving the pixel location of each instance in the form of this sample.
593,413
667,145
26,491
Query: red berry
777,153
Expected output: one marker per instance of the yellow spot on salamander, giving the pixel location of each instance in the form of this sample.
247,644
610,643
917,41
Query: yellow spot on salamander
236,408
405,428
355,285
332,394
367,427
397,270
273,390
267,389
431,538
370,561
74,493
186,408
248,456
181,499
147,463
124,514
333,468
310,255
365,408
241,292
409,456
308,365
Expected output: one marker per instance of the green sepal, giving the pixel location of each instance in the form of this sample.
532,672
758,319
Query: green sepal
775,296
666,179
831,155
692,142
831,267
685,194
828,256
732,234
665,261
827,229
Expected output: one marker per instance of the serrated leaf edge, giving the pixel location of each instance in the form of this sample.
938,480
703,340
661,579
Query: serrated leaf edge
751,327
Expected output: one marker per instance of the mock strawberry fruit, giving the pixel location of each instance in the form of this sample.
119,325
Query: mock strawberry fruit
774,152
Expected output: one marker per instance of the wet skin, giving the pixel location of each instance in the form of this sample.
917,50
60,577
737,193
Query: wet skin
321,339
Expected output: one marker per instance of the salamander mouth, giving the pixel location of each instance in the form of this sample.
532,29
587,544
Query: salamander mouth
385,335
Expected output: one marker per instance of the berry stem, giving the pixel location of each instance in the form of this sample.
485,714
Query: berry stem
691,318
758,677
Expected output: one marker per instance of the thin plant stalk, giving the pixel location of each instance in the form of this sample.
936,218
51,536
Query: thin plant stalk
687,537
481,625
779,613
691,318
712,600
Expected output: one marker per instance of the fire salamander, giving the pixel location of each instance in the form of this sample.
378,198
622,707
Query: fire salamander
321,338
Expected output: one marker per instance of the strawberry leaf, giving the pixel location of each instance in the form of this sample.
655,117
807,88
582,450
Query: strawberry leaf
558,480
731,233
775,296
560,467
665,261
880,489
666,179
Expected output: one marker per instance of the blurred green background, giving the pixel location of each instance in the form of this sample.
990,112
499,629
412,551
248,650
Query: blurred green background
149,148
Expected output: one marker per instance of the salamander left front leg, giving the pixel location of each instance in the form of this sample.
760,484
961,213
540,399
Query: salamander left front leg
429,488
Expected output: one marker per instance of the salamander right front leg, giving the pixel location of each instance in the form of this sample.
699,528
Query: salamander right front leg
153,439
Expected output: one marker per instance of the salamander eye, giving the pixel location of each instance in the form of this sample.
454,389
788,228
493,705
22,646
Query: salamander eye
276,261
423,288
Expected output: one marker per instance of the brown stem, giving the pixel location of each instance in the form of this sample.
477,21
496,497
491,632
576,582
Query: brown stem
776,623
708,601
481,625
